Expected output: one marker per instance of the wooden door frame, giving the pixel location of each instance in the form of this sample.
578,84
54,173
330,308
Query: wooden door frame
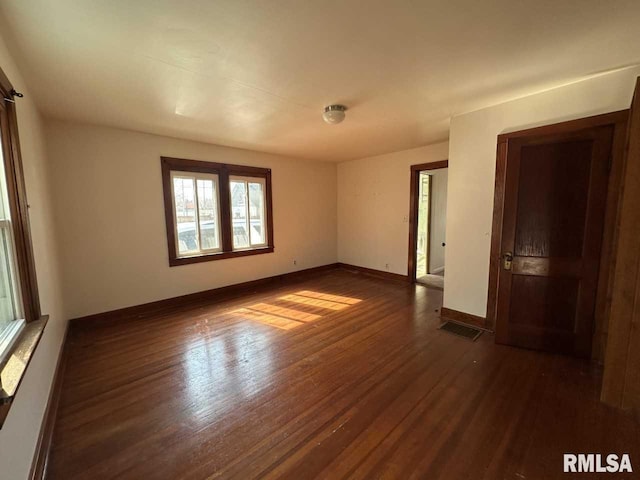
618,121
413,211
620,384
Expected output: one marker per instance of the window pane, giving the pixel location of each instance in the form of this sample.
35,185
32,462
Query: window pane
239,218
7,300
208,213
256,213
9,305
185,207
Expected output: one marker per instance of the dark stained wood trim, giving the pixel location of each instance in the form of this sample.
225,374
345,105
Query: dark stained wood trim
221,293
224,171
226,234
4,411
396,277
168,208
45,437
496,237
609,242
269,210
413,211
621,380
19,204
569,126
616,119
462,317
201,166
219,256
430,166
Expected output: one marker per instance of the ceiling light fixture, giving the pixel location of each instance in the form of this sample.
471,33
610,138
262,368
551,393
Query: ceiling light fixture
334,114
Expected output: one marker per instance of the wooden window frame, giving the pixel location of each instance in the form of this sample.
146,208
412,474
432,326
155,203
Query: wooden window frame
18,203
196,177
224,172
17,357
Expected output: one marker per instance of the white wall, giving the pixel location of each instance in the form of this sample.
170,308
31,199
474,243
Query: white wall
110,207
472,157
373,207
438,219
19,433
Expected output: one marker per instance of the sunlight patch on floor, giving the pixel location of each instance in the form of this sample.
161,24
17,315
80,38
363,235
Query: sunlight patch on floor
328,296
322,300
285,312
288,318
267,319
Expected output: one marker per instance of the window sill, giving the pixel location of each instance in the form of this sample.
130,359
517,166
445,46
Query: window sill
12,372
174,262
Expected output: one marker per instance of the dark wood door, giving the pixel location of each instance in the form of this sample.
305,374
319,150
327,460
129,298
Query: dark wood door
621,381
554,205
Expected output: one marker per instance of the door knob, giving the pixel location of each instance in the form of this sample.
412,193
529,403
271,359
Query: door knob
507,259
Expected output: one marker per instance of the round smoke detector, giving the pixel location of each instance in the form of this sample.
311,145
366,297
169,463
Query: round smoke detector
334,114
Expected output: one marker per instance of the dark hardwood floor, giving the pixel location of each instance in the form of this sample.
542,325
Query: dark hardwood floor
336,376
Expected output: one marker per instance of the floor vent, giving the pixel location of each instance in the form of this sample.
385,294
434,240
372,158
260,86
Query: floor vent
460,330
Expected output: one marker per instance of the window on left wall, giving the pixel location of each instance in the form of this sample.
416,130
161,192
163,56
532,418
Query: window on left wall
21,321
11,311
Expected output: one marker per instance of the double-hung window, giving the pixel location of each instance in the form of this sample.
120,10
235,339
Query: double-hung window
21,323
11,313
248,212
215,211
197,213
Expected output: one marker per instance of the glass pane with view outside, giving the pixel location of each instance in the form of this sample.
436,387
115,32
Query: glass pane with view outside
208,214
256,213
184,197
423,225
239,219
8,308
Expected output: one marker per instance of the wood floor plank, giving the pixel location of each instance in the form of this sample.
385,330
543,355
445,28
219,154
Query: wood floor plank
335,376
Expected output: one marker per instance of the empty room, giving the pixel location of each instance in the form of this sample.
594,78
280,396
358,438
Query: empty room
247,239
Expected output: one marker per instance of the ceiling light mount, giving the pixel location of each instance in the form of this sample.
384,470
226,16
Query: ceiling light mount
334,114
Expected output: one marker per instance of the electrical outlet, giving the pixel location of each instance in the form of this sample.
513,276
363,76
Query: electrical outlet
386,265
295,262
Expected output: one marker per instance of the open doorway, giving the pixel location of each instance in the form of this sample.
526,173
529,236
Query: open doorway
427,232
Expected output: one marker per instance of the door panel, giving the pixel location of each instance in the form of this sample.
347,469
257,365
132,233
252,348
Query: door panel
554,301
553,180
555,198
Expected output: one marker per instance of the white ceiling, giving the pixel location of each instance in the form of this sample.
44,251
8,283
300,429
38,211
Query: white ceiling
257,73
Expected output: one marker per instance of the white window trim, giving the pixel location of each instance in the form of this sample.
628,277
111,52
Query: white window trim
195,177
247,180
10,334
8,338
